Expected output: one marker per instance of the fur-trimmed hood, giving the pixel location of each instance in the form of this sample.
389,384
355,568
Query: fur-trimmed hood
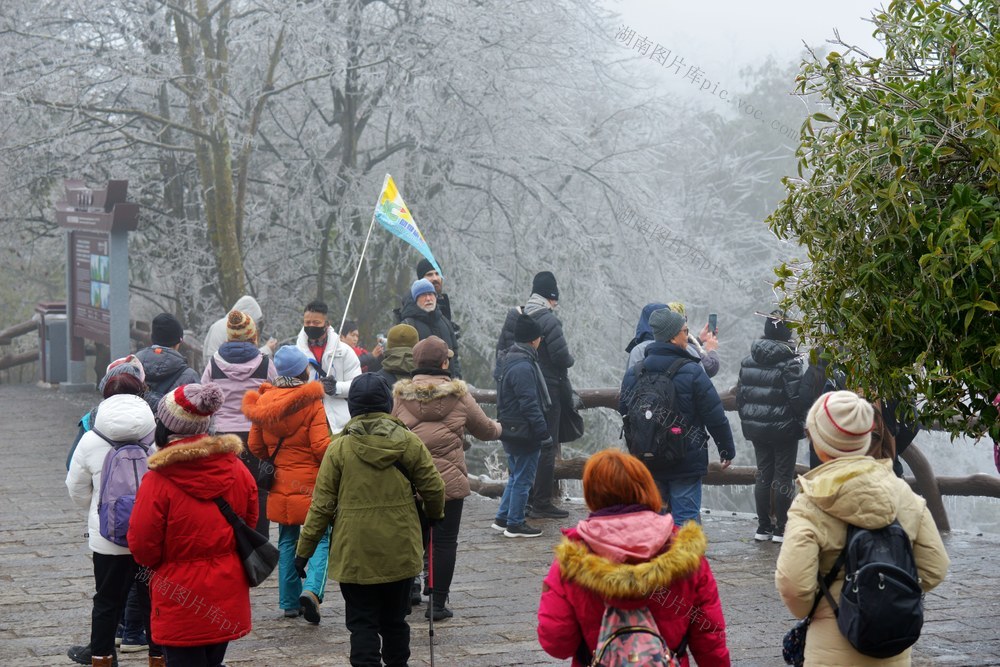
426,388
430,397
624,581
274,408
202,465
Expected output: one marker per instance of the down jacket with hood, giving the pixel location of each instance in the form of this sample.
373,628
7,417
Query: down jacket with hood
768,393
630,560
439,410
860,491
238,367
217,335
165,370
199,592
376,537
296,415
122,418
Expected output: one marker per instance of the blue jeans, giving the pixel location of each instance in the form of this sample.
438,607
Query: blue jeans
684,496
289,585
515,495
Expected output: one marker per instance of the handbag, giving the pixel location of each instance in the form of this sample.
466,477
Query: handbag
266,471
258,555
793,644
570,420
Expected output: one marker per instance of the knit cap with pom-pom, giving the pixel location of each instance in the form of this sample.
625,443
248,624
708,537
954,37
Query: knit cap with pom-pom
189,408
240,327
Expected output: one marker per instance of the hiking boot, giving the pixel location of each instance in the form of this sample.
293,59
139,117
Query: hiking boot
779,536
81,655
440,613
157,661
521,530
499,524
103,661
547,512
310,607
415,597
763,535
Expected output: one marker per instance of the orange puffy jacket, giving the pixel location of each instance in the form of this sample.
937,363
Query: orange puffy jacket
295,416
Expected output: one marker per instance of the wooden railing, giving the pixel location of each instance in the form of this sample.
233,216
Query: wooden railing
924,481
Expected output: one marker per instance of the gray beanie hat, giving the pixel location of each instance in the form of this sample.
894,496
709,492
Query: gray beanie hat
666,324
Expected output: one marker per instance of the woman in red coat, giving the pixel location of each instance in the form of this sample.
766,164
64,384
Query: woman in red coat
200,595
627,555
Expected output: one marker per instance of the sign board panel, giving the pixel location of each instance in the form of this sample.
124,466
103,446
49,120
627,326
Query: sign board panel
90,292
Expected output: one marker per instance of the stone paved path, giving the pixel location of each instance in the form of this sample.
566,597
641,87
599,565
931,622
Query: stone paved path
46,577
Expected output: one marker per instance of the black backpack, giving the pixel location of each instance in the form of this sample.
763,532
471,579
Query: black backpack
654,431
881,608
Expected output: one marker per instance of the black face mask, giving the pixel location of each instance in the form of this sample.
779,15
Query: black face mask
315,333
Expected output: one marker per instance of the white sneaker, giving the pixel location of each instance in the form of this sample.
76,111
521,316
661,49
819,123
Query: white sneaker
778,537
499,524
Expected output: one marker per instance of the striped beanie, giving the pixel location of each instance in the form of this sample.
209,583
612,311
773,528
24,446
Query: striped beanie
189,408
840,423
240,327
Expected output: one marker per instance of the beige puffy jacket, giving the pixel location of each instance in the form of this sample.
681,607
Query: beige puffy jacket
439,410
863,492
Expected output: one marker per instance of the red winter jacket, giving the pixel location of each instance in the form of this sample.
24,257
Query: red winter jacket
200,593
633,560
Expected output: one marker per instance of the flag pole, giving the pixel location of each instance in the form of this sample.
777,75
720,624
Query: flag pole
355,281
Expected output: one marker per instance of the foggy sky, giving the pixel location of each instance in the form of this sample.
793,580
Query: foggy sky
723,36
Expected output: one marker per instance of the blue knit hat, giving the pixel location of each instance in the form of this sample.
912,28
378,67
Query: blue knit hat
422,286
290,361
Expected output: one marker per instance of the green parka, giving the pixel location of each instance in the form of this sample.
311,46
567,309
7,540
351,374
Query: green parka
376,532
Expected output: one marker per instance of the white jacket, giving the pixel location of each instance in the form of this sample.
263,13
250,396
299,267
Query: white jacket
217,335
122,418
340,361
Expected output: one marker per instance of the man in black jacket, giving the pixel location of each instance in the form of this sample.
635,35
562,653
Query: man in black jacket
421,312
554,359
768,396
427,271
522,399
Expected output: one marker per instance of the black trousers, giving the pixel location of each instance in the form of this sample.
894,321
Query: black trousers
253,465
377,610
113,576
210,655
445,547
775,472
545,479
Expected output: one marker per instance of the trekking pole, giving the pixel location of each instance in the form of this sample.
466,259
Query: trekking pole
430,587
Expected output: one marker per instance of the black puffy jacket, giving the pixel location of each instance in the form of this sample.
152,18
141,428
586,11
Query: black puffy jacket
768,393
432,324
554,357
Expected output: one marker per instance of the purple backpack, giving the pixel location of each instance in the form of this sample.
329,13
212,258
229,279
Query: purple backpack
630,637
123,469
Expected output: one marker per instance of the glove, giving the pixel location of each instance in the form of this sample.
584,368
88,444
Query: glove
329,385
300,566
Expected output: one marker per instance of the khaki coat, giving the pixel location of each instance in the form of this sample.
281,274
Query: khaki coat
860,491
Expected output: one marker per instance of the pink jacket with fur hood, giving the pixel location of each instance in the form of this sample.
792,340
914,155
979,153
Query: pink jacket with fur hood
632,560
